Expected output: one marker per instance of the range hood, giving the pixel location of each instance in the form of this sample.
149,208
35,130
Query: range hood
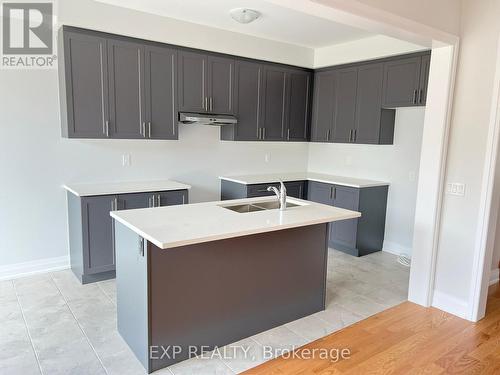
206,119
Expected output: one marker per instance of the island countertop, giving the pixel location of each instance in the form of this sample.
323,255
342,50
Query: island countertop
125,187
174,226
266,178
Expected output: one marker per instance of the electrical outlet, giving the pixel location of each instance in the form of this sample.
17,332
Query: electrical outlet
126,160
267,158
455,188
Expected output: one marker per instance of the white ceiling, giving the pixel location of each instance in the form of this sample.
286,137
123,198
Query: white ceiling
276,23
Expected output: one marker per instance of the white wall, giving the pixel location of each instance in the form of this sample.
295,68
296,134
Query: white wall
372,47
466,155
397,164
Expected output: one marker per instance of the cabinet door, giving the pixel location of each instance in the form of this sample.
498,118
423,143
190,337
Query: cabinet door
369,104
320,193
345,105
98,239
401,82
160,93
192,82
171,198
220,85
126,89
248,87
295,189
424,79
86,78
297,118
135,200
323,106
273,104
344,232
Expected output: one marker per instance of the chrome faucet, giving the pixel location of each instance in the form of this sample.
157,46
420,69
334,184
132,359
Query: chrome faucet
280,194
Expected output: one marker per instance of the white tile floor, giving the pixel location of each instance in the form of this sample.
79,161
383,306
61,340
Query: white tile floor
50,324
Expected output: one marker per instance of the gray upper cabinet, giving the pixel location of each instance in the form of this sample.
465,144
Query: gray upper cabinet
345,105
247,98
192,82
84,85
160,93
368,104
323,116
126,89
405,81
206,83
424,79
273,104
298,112
220,85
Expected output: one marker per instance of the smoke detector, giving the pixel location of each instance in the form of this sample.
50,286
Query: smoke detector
244,15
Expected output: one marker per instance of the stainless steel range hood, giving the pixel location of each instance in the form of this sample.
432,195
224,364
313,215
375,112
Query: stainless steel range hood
206,119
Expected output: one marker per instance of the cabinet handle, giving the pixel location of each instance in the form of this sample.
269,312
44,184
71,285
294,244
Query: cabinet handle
420,95
331,192
159,200
149,129
206,103
328,135
114,204
334,192
350,135
183,199
141,246
211,103
143,129
354,135
263,133
107,128
288,134
415,96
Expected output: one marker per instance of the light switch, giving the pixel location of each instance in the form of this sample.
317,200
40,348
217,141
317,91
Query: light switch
455,188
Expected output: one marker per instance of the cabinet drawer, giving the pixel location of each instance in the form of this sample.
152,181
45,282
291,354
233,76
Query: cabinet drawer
260,190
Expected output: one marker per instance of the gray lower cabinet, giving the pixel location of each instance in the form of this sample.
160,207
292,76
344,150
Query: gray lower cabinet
360,236
91,229
234,190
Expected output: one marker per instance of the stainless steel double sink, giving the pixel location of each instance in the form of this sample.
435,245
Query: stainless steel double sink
259,206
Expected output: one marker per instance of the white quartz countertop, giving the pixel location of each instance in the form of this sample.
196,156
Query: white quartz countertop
85,189
299,176
174,226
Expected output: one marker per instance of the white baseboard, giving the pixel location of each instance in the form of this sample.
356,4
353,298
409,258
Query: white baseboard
494,276
395,248
450,304
14,271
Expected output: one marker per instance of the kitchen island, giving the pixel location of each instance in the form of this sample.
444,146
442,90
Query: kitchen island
203,275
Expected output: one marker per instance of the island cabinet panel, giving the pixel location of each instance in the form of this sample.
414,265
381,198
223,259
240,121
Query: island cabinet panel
218,292
91,230
126,89
234,190
84,85
360,236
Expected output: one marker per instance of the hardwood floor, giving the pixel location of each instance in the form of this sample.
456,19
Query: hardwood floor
406,339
